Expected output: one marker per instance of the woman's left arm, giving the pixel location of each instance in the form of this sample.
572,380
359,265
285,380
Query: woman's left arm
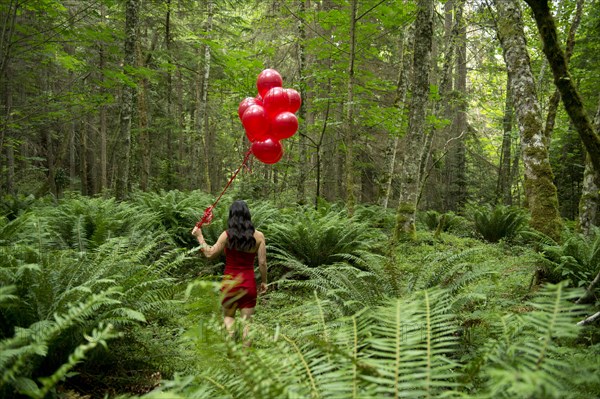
210,251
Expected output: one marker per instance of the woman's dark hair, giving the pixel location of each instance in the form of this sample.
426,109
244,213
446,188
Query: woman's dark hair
240,230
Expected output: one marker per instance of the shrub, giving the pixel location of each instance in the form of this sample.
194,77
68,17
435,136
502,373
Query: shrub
315,238
577,259
500,222
64,289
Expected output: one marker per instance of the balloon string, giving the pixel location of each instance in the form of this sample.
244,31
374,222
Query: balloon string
207,217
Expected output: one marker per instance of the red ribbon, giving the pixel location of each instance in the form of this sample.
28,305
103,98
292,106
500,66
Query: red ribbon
208,215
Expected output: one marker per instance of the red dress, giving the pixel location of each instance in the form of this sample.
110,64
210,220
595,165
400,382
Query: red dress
239,285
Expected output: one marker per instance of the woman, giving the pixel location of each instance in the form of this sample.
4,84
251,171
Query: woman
241,244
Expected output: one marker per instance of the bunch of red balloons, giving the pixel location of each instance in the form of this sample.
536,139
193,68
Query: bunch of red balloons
270,116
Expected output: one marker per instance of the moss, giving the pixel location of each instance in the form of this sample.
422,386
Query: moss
405,222
543,204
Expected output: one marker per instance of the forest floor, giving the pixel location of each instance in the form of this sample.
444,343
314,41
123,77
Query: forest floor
505,284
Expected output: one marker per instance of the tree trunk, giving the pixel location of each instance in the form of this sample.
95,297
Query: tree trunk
539,187
6,34
400,104
555,99
349,136
123,162
201,105
458,185
562,79
83,162
409,176
144,137
590,196
303,161
455,110
5,142
503,190
318,150
169,184
103,184
72,156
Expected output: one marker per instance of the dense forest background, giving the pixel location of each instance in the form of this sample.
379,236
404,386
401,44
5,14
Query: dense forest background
113,96
431,228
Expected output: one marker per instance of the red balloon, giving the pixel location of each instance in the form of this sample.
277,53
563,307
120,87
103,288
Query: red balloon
246,102
258,100
276,100
284,125
255,122
295,100
268,79
268,151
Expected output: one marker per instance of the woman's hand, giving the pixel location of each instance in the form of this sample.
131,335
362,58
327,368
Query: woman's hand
197,232
263,288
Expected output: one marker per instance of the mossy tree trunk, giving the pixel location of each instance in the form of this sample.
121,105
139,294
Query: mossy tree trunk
563,81
555,99
414,140
590,196
539,187
350,135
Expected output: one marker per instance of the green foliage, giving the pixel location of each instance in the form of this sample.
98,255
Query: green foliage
577,259
445,222
441,316
349,287
525,358
500,222
70,270
405,348
401,349
452,270
315,238
13,206
175,212
84,224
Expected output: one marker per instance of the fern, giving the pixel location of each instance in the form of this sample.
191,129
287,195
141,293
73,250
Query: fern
494,224
28,387
411,347
348,286
313,239
452,270
576,259
525,358
16,351
400,349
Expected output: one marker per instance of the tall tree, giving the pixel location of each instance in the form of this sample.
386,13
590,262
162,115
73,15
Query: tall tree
350,135
539,187
589,204
414,140
504,185
400,103
132,8
555,99
457,152
202,126
563,81
303,161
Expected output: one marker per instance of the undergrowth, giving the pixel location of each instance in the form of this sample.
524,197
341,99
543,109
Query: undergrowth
108,298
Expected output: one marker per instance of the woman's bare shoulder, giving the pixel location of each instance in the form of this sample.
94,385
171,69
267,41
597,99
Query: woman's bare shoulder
259,236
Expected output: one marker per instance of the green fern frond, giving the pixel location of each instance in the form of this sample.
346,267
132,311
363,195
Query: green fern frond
494,224
525,359
411,347
98,337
